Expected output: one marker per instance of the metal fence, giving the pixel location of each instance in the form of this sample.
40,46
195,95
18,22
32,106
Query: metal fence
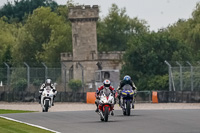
183,76
179,96
28,78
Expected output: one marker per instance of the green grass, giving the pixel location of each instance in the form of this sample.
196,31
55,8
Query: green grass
5,111
7,126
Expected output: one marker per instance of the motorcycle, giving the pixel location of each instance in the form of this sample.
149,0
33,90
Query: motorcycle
106,104
47,99
127,94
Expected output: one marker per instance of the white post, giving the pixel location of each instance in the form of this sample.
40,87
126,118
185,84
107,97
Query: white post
181,76
1,84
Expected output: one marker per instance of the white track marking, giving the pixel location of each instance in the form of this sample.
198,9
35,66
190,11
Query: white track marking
29,124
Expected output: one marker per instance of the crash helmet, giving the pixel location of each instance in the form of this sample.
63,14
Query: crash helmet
106,83
127,78
48,82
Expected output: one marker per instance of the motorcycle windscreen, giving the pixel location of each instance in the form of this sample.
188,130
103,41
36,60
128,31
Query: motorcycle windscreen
105,91
127,87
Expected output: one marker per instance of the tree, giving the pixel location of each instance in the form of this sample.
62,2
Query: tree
114,30
188,31
7,40
44,36
15,12
144,60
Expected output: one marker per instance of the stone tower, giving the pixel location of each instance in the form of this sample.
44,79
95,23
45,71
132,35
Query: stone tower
84,40
85,63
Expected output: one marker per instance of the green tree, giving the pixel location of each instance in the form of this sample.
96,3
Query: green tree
144,60
188,31
114,30
15,12
44,36
7,40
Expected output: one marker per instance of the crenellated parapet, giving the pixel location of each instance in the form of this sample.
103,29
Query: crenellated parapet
66,56
112,55
84,13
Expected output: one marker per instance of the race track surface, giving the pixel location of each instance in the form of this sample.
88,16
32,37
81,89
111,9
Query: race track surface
140,121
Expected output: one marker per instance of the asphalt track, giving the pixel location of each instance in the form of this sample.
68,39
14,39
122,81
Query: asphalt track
140,121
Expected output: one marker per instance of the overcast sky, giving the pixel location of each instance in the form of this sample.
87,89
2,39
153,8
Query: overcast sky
157,13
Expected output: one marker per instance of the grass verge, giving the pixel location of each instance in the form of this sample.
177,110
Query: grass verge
8,126
5,111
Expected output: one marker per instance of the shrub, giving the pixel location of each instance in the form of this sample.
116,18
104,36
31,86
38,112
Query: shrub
75,85
37,82
20,85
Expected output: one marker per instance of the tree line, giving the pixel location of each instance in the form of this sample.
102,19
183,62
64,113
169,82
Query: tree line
39,30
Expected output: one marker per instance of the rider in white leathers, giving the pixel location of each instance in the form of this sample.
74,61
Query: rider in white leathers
47,83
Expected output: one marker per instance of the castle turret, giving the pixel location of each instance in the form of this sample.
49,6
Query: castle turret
84,32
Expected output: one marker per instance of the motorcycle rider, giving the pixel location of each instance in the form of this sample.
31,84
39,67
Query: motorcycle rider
48,82
106,83
126,80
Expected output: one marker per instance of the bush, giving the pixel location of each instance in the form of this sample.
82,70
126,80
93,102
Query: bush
37,82
20,85
75,85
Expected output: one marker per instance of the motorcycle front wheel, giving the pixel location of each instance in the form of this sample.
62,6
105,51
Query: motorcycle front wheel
46,106
128,108
106,113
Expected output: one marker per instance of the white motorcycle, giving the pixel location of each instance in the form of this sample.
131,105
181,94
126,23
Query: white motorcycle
106,104
47,98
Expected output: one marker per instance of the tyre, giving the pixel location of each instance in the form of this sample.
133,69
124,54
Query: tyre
106,113
46,106
128,108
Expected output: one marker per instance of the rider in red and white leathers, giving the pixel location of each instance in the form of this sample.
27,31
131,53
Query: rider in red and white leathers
106,83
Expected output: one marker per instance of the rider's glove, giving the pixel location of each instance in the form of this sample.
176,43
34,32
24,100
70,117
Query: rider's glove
98,97
135,92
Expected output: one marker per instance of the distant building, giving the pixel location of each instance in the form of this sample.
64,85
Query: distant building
86,63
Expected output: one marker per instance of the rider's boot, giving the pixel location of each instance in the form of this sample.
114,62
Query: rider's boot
133,103
53,100
112,113
97,109
39,99
119,103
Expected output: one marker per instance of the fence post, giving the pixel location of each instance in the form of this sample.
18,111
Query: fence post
191,75
65,67
82,68
28,74
8,73
46,70
181,77
150,93
170,79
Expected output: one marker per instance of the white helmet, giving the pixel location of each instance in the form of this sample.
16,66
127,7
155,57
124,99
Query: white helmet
106,83
48,82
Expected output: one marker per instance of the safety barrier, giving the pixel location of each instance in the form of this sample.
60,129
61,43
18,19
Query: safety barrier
90,97
154,97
